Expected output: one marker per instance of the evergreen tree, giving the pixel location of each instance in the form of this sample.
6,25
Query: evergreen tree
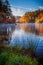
6,8
0,5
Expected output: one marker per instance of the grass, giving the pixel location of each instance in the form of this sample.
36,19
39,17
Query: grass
8,58
17,56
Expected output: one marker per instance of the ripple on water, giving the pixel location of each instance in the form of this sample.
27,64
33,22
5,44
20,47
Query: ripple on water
23,39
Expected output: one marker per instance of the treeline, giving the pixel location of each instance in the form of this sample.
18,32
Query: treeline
32,17
5,12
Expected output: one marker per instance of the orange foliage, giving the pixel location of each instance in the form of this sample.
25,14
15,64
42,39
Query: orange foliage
32,17
39,18
9,20
2,13
24,19
39,28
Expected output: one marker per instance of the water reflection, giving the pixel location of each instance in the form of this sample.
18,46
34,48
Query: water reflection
23,35
23,39
20,37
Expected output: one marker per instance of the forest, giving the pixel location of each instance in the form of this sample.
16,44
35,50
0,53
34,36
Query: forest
32,17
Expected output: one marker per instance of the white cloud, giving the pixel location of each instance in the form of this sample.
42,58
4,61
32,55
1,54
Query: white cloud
17,11
23,8
41,7
20,11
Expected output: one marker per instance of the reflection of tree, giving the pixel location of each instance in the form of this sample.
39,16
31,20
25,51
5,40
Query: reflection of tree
36,32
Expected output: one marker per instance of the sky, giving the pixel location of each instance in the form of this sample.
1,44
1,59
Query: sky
20,7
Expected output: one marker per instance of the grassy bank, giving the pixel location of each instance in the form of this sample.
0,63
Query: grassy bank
17,56
7,58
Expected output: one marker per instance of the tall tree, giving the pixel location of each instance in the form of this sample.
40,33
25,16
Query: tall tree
5,11
0,5
6,7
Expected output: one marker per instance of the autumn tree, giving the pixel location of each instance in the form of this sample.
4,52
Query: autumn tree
32,17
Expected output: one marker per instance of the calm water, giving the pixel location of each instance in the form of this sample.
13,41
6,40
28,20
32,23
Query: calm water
25,34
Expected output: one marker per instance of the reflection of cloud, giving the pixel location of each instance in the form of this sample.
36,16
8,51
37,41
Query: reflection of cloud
17,11
41,7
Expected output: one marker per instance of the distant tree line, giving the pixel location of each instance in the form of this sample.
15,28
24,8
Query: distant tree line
32,17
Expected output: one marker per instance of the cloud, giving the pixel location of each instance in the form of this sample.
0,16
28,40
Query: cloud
17,11
23,8
20,11
41,7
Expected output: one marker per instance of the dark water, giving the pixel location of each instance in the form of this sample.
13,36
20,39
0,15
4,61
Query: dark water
25,34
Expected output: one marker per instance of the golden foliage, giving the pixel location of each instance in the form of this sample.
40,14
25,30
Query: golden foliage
32,17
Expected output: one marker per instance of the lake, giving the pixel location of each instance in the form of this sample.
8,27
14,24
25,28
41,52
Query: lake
24,34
